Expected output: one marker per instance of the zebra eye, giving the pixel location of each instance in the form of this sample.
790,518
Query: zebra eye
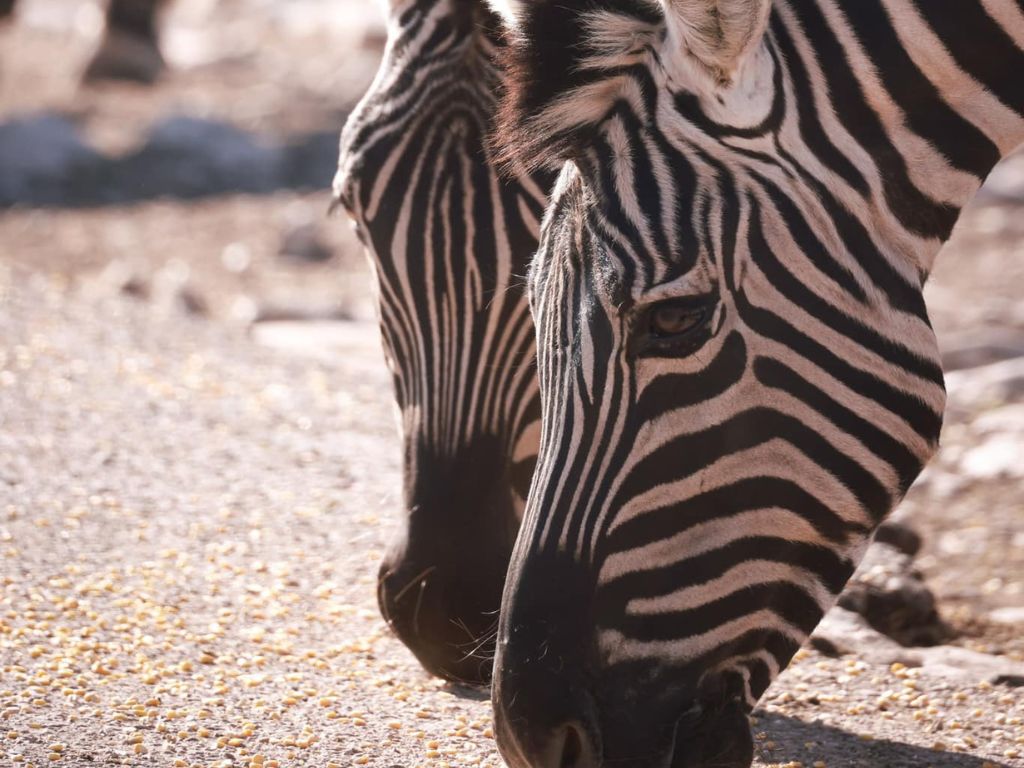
674,327
670,319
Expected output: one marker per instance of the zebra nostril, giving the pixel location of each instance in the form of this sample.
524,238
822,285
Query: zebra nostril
570,747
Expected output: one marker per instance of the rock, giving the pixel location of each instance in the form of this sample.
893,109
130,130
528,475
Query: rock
304,243
310,160
891,595
190,157
846,632
1008,418
987,386
999,456
962,541
136,288
41,157
236,257
1008,615
952,661
1006,182
900,536
46,162
973,349
192,301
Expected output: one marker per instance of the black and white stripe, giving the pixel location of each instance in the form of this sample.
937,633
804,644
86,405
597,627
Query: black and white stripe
449,241
783,174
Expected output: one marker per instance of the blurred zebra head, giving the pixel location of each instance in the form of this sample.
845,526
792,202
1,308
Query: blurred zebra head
738,376
449,243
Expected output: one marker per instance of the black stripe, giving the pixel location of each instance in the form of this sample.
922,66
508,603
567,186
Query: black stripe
782,598
904,462
980,46
962,144
915,210
746,495
799,294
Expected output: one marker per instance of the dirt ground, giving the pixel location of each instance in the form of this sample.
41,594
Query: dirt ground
198,469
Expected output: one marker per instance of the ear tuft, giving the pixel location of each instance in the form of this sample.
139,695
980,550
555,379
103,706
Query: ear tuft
508,11
720,34
563,67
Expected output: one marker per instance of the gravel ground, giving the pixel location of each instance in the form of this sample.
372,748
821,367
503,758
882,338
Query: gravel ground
192,507
190,525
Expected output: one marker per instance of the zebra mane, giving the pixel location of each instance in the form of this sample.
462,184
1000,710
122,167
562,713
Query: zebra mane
563,68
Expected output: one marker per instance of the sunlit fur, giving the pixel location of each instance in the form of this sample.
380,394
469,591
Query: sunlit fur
449,242
704,506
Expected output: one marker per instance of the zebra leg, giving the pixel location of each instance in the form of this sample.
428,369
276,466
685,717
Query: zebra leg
130,47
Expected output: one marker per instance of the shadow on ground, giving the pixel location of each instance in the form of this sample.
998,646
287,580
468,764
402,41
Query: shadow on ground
807,743
48,163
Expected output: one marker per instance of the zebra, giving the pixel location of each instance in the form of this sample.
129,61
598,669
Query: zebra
448,242
738,376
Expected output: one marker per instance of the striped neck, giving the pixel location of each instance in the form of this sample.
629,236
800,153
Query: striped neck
937,100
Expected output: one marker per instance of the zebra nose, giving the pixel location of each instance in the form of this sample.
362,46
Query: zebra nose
444,622
568,745
541,722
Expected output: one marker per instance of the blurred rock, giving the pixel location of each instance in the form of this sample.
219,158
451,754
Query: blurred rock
243,310
117,277
136,288
174,290
236,257
900,536
1006,182
305,243
42,156
271,313
980,347
1008,615
844,632
192,302
987,386
190,157
953,661
999,456
311,159
1008,418
891,594
46,162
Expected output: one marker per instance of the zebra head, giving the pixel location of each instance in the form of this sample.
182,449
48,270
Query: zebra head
738,376
448,242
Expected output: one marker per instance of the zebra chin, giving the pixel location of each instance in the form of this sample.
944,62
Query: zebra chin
570,727
561,702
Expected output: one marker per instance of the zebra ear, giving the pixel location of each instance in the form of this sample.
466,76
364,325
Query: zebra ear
565,64
720,34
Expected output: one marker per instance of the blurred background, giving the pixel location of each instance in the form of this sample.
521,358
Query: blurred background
190,371
214,176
